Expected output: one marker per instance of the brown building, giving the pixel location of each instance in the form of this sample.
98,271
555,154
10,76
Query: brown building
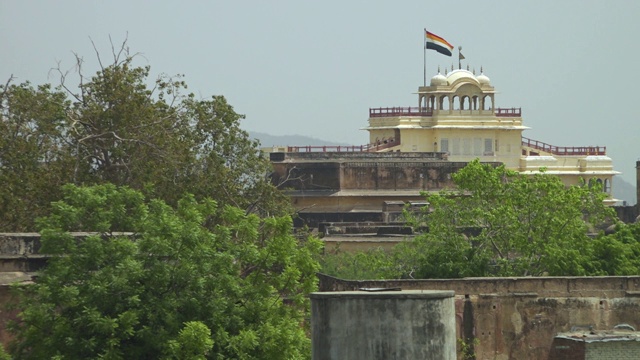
358,186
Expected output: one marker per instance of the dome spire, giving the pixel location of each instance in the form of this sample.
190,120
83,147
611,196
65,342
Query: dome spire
483,79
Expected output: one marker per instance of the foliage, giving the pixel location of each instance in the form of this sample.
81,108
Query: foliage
114,128
372,265
501,223
466,348
196,281
34,160
194,342
617,253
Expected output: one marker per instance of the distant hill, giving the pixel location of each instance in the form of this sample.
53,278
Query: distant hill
624,191
267,140
621,189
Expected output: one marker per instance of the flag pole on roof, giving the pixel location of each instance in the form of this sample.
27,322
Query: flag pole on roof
460,57
424,58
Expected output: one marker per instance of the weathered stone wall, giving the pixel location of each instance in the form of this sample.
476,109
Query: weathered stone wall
365,175
383,325
517,318
398,175
511,318
627,214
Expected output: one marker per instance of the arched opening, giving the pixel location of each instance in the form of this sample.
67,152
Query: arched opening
596,182
431,103
487,102
607,186
444,103
456,102
474,103
465,103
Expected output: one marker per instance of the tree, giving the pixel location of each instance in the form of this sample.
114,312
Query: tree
617,253
115,128
164,140
502,223
34,160
197,281
372,264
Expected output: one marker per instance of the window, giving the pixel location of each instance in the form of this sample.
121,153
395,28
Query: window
477,146
444,145
456,146
488,147
466,146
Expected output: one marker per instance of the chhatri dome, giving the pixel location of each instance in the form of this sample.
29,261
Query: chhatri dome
459,74
439,79
483,79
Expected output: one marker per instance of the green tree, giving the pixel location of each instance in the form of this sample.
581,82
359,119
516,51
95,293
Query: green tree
164,140
617,253
196,281
373,264
501,223
116,128
34,158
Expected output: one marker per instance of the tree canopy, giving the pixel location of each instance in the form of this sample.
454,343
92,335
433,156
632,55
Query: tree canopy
200,280
120,127
501,223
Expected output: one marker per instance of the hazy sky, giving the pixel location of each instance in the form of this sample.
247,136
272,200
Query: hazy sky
315,67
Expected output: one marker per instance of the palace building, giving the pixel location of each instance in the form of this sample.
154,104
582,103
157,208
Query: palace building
416,149
456,115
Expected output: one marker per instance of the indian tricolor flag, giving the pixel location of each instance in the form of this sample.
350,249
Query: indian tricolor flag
437,43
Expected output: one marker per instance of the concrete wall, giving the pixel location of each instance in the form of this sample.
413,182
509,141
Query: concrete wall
613,350
518,318
383,325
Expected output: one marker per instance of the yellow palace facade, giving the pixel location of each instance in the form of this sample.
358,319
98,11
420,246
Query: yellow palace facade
457,115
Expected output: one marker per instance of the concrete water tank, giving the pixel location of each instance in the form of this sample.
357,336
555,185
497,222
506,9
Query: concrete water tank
416,324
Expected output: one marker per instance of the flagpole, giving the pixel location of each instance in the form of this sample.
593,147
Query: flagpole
424,56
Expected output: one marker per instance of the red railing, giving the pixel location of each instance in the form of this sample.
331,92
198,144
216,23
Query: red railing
414,111
399,111
380,145
564,150
513,112
330,148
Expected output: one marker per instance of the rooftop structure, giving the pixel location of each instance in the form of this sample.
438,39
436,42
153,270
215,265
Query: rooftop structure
457,116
